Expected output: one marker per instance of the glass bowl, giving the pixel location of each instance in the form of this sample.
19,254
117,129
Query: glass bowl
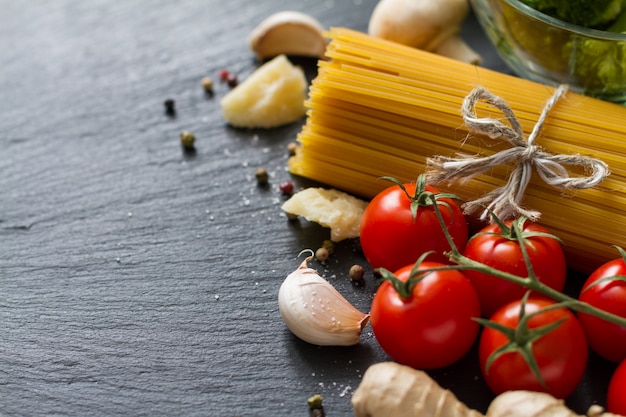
547,50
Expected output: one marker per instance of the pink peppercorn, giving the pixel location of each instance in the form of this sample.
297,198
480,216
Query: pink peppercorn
286,187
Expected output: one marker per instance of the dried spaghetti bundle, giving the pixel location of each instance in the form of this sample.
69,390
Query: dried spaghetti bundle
377,108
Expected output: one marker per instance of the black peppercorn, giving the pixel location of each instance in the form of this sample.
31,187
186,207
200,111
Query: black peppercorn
232,81
292,148
170,106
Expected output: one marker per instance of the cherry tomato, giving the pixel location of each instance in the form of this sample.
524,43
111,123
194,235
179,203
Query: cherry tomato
392,236
561,354
616,400
431,325
499,248
606,339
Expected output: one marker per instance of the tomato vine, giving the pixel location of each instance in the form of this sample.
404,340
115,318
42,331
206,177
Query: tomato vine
529,282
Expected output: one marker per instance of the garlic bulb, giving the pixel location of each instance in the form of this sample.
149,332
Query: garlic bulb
316,312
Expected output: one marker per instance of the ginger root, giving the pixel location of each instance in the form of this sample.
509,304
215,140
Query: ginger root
535,404
389,389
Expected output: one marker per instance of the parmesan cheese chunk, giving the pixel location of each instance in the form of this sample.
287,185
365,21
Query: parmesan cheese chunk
271,96
329,208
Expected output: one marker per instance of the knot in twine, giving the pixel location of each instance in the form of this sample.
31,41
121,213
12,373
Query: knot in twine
505,201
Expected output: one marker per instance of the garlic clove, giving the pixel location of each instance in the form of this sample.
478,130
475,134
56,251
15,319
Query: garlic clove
316,312
288,33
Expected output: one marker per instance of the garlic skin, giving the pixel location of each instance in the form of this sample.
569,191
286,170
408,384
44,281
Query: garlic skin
316,312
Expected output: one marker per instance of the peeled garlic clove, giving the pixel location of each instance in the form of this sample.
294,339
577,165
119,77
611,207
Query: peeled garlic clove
316,312
288,33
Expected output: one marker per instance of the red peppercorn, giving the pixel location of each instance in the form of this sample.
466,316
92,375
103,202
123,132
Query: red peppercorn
224,74
286,187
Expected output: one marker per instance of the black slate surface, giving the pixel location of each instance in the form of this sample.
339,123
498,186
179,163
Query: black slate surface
135,278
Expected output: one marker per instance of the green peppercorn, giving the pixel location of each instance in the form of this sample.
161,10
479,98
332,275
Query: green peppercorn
315,406
262,177
315,401
329,245
187,139
207,84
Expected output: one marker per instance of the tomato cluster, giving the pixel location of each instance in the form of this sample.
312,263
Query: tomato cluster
429,311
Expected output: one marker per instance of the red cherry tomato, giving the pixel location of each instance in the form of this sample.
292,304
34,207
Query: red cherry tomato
432,326
616,398
500,249
606,339
392,236
561,354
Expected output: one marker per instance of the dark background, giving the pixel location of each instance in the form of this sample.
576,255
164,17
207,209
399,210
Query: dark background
136,279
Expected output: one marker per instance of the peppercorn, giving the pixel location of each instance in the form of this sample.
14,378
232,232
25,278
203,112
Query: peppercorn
232,81
322,254
207,84
356,272
286,187
187,139
315,406
292,148
262,177
224,74
170,106
329,245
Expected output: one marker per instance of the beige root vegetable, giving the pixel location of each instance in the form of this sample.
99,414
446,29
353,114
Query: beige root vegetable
389,389
289,33
316,312
431,25
535,404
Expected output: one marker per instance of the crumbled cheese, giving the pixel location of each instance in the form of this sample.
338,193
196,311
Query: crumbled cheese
331,208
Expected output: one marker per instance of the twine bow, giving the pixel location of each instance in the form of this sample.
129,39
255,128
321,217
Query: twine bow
505,201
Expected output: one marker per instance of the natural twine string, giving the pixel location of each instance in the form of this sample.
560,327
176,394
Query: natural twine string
505,201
